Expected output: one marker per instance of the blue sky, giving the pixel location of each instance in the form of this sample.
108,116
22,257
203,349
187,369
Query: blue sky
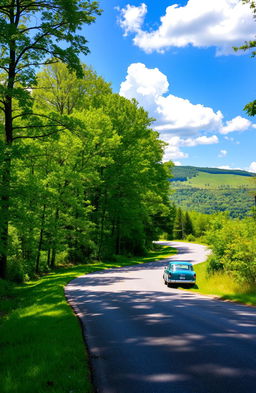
178,62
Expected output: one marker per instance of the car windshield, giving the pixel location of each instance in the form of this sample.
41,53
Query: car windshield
181,266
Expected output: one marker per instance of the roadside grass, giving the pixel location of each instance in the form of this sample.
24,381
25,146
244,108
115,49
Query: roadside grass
42,348
224,286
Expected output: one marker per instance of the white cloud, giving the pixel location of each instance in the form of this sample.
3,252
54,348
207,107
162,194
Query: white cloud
180,122
173,152
173,114
131,18
177,163
175,142
144,84
223,153
225,167
229,167
201,23
237,124
252,167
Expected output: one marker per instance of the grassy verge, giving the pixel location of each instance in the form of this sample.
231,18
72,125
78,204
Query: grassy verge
41,343
224,286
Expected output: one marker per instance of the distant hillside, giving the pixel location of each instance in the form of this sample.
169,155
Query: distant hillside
183,173
210,190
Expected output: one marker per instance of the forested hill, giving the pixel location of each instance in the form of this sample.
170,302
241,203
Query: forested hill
210,190
183,173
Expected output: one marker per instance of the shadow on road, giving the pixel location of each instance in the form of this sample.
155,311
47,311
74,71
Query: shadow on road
168,342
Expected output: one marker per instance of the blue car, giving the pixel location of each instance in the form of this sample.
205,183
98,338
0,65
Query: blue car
179,273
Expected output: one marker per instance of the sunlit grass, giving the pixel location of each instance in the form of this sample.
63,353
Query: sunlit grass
42,348
223,285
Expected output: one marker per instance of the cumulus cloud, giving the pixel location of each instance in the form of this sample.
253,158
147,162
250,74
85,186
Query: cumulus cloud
237,124
223,153
219,23
180,122
229,167
144,84
132,18
173,151
173,114
252,167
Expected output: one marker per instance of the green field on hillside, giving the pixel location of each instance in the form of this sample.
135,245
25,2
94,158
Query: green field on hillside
209,180
213,190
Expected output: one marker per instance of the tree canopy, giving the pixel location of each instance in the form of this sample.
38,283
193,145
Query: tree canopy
96,189
250,108
33,33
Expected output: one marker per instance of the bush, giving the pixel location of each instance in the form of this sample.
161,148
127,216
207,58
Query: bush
15,270
214,265
233,243
190,238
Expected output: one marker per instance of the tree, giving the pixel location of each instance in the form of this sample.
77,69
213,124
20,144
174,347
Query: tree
187,225
178,228
250,108
33,33
58,89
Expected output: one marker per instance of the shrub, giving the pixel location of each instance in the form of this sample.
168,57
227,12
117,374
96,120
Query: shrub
190,238
214,265
233,243
15,270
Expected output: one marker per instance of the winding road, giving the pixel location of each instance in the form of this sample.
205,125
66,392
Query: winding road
144,337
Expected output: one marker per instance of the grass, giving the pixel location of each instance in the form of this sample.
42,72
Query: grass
42,348
208,180
223,286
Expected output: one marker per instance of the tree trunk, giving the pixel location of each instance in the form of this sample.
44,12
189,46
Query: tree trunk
40,240
53,258
5,188
49,257
8,139
5,197
54,246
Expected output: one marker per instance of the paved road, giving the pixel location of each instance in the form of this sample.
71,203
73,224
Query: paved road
144,337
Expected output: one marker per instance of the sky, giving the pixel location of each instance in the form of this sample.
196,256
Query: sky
177,59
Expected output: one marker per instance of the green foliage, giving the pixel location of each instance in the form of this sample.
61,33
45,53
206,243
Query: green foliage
33,34
187,225
223,285
250,108
212,190
238,202
95,188
234,247
178,228
189,172
214,265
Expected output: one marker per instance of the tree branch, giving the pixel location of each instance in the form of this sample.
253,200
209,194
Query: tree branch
36,126
36,136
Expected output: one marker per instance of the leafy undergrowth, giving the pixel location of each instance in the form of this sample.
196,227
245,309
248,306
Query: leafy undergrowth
41,342
223,286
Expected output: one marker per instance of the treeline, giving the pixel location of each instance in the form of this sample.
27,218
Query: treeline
233,243
184,225
187,172
237,202
92,186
